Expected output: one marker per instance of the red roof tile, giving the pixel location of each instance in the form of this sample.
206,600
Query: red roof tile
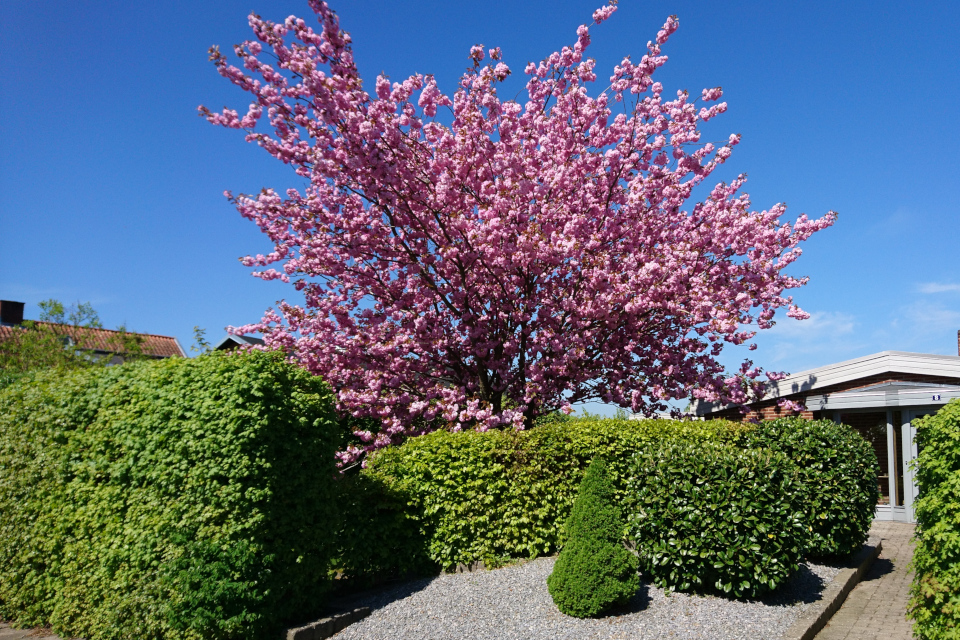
108,339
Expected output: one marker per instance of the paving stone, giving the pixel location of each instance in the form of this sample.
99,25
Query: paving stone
876,609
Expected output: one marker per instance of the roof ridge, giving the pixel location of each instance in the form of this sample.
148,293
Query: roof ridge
870,356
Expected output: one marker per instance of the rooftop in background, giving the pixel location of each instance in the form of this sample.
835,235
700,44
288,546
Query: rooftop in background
231,342
877,363
107,340
95,339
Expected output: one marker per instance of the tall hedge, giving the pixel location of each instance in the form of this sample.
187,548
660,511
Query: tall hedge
446,499
935,591
839,471
178,499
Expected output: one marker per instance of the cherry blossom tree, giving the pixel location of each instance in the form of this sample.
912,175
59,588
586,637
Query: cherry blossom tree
472,262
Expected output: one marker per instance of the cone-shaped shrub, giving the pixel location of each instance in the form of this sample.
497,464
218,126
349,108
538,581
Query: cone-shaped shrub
594,571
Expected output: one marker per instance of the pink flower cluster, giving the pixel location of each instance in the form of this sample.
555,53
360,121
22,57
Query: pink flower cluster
509,258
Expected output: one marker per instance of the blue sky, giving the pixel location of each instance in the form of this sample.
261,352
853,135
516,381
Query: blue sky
112,185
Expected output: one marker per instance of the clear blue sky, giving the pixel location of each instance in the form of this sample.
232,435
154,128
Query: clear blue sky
112,184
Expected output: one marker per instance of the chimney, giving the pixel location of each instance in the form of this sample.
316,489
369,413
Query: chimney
11,312
958,343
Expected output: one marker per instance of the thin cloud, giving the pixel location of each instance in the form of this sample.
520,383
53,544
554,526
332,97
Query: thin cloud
820,325
939,287
924,326
933,318
827,336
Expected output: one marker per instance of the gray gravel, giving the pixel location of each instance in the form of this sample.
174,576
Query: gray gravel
513,602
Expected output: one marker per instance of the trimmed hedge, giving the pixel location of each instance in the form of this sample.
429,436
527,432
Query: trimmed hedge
446,499
935,591
839,470
174,499
594,570
710,516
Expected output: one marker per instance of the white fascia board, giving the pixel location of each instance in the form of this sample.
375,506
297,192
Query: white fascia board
183,354
876,364
936,396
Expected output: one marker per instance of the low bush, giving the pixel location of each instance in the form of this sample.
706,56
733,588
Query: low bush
594,570
935,591
708,516
174,499
839,470
486,497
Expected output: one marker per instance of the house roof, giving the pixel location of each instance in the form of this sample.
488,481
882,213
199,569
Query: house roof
108,340
928,364
885,362
234,341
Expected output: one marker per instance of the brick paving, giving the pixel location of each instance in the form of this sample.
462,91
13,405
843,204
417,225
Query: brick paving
876,609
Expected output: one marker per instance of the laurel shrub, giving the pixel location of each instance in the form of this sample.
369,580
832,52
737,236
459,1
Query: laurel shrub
839,471
711,517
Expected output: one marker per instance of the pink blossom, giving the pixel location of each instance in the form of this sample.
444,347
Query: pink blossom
790,405
516,258
709,95
603,13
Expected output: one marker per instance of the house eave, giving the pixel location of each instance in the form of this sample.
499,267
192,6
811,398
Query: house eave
883,363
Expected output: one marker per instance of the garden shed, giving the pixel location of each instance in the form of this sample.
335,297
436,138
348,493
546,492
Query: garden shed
881,396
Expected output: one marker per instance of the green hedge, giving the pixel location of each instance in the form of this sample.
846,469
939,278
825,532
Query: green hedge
935,591
446,499
709,516
839,469
172,499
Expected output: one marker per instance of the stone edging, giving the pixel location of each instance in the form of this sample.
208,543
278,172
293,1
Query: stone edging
816,618
326,627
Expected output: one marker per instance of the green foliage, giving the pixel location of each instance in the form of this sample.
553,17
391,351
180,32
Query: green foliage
380,536
200,343
33,346
839,470
498,495
81,314
709,516
935,591
594,570
167,499
55,343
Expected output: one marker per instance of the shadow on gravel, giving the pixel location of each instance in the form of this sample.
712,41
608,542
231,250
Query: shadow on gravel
803,587
636,604
379,597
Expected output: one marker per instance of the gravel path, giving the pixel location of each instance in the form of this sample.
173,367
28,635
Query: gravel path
514,603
